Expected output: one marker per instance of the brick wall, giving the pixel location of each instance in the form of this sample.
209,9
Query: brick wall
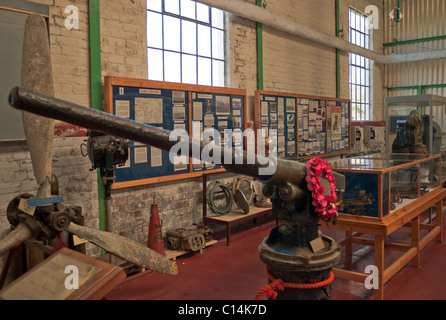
123,34
243,57
294,65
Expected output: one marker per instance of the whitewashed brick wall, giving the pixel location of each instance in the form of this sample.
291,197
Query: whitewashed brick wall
243,58
294,65
124,39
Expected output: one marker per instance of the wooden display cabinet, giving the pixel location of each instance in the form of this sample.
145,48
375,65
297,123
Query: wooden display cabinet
383,193
377,185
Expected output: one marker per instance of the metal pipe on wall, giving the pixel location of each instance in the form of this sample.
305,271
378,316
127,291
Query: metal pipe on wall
260,15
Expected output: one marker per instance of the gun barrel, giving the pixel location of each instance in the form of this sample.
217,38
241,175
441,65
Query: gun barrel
26,100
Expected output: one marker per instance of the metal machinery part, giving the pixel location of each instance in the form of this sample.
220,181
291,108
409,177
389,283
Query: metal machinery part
105,152
193,238
287,251
219,197
46,222
243,192
245,185
49,220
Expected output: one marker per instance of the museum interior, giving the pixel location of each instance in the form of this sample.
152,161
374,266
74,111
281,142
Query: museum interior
251,150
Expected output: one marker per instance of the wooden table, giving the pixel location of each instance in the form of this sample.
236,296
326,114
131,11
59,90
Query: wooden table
408,215
237,216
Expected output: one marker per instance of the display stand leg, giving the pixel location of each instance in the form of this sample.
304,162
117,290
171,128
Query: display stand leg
228,235
439,218
348,243
379,263
416,240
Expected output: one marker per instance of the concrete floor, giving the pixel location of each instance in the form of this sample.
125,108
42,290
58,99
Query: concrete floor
235,272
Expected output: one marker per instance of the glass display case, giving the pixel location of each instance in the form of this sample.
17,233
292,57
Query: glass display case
416,124
378,184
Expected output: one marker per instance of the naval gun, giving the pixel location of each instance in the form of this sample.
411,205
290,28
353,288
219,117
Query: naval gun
289,251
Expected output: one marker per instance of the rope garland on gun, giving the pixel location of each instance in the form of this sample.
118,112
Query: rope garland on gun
270,290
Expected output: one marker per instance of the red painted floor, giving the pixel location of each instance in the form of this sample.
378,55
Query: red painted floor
236,273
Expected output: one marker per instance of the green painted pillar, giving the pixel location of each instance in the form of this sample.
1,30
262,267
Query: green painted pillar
260,51
96,89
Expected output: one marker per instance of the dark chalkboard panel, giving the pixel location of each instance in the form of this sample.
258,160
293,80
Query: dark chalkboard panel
13,15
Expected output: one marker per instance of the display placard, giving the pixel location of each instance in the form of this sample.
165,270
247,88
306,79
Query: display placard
222,113
338,126
312,126
278,112
171,106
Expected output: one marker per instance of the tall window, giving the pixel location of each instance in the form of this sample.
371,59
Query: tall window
360,68
186,42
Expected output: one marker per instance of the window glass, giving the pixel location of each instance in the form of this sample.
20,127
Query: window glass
188,9
155,64
360,68
154,5
155,23
218,43
204,71
189,70
203,12
171,33
204,39
186,42
172,6
172,66
189,37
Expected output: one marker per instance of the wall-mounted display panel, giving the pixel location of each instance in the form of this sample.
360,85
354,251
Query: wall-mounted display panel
190,109
306,126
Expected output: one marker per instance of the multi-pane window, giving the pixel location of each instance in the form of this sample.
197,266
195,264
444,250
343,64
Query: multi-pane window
360,68
185,42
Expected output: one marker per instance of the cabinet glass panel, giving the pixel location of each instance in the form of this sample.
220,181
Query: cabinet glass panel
378,184
416,124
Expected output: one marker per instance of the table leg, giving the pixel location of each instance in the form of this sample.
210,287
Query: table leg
228,234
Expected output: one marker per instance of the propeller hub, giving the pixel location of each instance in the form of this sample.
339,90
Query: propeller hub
60,221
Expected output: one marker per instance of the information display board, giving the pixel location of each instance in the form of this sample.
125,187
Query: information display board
171,106
338,126
276,111
306,125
